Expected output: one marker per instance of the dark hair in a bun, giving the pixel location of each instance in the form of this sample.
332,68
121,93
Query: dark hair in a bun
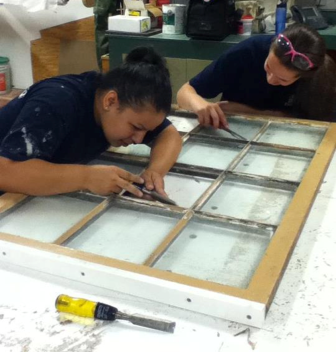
146,55
141,80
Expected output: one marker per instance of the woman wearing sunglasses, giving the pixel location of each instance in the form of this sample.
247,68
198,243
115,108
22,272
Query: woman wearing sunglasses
287,75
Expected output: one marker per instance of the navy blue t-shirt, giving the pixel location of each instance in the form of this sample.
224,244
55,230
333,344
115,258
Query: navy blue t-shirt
53,120
239,75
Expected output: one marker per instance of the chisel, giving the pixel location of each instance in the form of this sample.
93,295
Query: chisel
96,310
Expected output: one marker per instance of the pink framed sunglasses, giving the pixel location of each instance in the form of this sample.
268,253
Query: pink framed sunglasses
300,61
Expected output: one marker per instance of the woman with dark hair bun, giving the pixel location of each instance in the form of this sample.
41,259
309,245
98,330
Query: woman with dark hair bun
62,122
287,75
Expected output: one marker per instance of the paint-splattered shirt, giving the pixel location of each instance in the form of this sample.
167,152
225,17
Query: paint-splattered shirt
53,120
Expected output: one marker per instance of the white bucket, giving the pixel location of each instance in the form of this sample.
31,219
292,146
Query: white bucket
173,18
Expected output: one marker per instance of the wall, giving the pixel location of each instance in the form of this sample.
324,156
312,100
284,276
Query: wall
327,4
19,27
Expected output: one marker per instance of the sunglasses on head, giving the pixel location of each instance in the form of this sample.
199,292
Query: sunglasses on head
300,61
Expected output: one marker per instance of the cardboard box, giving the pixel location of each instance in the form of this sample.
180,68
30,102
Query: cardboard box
155,15
135,8
131,24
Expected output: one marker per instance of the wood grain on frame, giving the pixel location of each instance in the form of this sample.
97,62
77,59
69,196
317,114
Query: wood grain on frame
267,277
9,200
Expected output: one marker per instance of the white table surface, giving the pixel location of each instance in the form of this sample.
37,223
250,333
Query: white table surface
302,316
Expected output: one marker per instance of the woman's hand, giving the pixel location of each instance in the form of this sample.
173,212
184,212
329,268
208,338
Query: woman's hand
154,181
104,180
210,114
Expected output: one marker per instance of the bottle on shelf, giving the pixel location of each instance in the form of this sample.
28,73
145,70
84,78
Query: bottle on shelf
5,75
280,16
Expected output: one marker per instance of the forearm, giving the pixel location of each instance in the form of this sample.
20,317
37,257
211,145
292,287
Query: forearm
165,151
188,99
38,177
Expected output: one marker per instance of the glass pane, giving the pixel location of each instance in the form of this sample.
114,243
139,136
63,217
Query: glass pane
124,233
244,127
133,149
45,218
294,135
218,254
135,169
185,190
249,202
273,164
208,155
183,124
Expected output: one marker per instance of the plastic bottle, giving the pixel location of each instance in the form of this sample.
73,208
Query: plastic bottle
280,17
5,76
247,21
159,3
247,24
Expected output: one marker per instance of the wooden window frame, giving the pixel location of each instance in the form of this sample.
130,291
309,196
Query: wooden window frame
248,306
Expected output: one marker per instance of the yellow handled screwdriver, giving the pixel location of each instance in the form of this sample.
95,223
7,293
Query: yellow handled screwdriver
88,309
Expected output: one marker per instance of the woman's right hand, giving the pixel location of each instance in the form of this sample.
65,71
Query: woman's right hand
210,114
104,180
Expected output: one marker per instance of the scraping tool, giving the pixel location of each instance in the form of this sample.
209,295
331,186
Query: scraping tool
154,195
234,134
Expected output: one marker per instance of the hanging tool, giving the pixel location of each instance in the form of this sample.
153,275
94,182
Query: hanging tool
234,134
88,309
154,195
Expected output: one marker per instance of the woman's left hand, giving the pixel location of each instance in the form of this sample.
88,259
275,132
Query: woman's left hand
154,181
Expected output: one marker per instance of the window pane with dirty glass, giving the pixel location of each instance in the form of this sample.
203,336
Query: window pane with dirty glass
208,155
185,190
45,218
293,135
125,233
219,253
275,164
133,149
183,124
249,202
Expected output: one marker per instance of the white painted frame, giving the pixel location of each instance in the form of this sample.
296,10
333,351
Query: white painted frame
248,306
